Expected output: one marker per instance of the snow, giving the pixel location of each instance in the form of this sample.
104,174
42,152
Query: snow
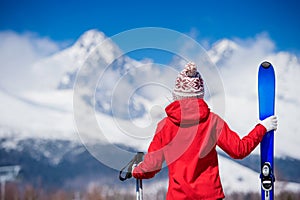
235,177
32,119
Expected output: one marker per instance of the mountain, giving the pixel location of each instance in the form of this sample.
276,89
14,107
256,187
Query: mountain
40,130
57,164
53,164
65,164
221,51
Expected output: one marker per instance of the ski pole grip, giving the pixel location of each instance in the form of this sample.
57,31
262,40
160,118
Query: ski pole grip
139,157
136,160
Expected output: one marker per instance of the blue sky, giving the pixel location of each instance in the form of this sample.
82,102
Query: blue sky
205,20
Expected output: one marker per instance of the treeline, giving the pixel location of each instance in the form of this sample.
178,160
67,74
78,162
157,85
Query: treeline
28,192
14,191
285,195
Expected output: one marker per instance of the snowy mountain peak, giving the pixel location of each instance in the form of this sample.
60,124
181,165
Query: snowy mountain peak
90,39
59,70
72,59
221,50
224,45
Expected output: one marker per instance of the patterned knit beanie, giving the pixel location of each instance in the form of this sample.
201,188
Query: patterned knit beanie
189,83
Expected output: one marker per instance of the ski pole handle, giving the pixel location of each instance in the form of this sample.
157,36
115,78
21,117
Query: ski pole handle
139,157
136,160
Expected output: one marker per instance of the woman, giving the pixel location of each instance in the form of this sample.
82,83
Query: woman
187,138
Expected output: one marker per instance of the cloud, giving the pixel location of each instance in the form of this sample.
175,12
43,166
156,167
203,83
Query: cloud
18,53
239,75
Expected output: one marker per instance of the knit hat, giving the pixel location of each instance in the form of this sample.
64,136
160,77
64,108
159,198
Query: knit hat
188,83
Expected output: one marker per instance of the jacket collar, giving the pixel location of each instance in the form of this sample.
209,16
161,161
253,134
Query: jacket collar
188,111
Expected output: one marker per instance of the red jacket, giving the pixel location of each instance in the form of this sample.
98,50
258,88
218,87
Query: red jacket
186,139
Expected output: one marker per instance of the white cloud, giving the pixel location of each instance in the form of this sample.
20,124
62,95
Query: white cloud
18,53
239,74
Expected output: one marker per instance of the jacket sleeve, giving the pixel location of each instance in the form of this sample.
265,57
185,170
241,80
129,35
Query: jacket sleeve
237,148
153,160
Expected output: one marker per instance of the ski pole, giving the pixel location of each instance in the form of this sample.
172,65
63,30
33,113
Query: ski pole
139,184
139,189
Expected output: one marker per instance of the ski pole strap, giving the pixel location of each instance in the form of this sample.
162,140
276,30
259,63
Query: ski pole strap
128,174
136,159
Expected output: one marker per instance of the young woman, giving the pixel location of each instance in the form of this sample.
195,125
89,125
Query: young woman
187,138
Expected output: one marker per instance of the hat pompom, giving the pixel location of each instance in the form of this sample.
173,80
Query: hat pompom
191,69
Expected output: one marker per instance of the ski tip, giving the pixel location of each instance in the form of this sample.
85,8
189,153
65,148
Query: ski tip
266,64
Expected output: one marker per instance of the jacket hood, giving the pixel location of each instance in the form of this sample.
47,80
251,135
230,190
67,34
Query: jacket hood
188,111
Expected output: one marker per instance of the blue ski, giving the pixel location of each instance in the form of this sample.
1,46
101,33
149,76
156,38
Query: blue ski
266,101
